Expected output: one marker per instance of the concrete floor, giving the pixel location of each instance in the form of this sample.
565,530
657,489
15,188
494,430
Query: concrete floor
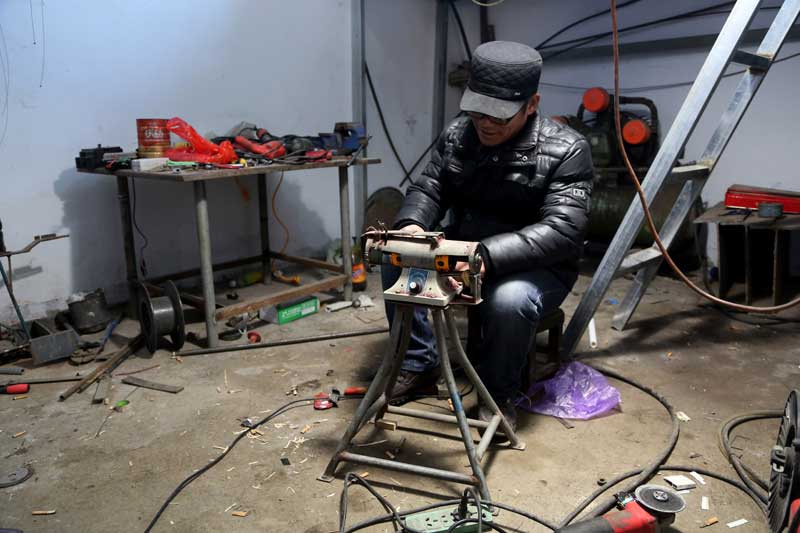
115,478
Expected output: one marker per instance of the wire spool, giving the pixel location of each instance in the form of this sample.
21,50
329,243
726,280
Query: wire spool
162,315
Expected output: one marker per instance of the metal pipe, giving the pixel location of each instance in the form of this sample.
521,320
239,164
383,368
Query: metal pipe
16,305
206,269
401,333
437,473
108,366
286,342
128,242
447,373
491,429
427,415
263,224
483,393
347,237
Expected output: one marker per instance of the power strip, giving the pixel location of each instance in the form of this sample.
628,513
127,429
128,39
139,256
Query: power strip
440,520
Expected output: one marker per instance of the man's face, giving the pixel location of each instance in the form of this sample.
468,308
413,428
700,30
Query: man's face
493,132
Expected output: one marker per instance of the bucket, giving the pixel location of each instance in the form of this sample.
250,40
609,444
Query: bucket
153,134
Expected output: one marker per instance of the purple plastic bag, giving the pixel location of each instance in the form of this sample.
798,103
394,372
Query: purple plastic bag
576,391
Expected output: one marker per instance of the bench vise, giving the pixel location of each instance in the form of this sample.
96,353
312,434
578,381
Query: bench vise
428,260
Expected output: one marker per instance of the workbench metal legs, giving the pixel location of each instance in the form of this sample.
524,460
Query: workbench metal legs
125,212
344,208
206,269
263,224
376,403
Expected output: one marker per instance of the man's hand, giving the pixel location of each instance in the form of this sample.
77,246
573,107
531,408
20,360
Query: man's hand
463,265
412,228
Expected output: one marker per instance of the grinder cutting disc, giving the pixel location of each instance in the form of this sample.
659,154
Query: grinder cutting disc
16,477
783,485
660,501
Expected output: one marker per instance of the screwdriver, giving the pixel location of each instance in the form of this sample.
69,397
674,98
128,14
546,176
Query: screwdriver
19,388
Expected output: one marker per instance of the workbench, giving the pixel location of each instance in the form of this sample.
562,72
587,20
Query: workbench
753,250
213,311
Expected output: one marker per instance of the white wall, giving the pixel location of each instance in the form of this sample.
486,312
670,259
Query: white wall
400,53
283,65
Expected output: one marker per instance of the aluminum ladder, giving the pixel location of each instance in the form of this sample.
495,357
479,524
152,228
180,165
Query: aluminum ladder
647,261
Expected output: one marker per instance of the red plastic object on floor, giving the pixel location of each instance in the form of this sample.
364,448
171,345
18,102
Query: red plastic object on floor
254,337
746,197
19,388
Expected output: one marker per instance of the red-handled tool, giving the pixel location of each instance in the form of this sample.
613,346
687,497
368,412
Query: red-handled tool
271,149
324,401
19,388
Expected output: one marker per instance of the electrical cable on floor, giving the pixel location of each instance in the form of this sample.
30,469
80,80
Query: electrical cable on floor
186,482
648,217
748,476
461,30
395,516
643,474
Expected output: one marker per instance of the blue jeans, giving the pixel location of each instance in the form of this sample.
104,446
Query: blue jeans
509,314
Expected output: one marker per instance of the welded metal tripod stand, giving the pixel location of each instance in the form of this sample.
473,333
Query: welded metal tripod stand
376,403
646,262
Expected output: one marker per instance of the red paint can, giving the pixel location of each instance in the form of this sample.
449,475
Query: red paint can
153,134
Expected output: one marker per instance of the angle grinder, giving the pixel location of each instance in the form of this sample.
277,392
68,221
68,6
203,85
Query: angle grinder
648,510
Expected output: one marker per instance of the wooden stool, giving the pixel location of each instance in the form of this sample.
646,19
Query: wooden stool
553,324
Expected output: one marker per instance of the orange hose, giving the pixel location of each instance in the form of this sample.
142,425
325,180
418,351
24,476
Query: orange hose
277,274
643,200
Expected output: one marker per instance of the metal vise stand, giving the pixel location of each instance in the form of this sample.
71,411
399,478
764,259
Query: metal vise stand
427,260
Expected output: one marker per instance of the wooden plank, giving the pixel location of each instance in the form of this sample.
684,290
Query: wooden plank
307,261
255,304
139,382
113,362
103,389
196,271
35,381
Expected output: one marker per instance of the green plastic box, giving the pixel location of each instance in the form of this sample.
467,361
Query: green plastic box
291,311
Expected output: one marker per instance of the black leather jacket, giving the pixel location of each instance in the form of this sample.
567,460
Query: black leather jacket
527,200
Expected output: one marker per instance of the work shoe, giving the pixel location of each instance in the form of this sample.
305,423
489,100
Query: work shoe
506,407
410,385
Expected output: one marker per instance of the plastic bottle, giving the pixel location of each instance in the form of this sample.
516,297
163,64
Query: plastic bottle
359,274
